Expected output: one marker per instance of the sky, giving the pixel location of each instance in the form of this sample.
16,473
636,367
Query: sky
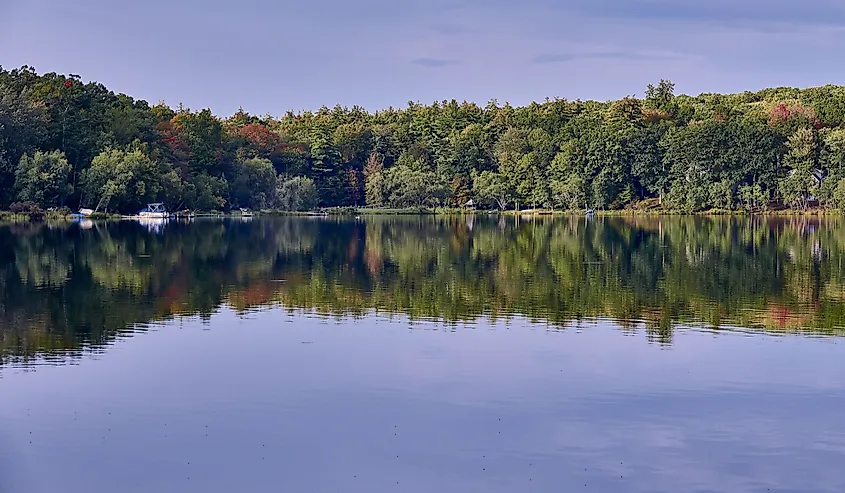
270,56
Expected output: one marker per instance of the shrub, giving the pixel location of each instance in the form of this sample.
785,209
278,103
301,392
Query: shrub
28,208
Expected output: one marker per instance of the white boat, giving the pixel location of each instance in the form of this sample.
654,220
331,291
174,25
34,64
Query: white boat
155,210
86,212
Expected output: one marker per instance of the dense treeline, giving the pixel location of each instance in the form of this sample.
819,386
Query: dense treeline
66,287
68,143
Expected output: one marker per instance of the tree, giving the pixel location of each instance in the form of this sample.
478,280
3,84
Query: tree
205,193
203,135
699,155
374,185
689,152
753,197
569,193
492,189
411,187
661,95
258,140
254,185
648,169
325,165
509,151
690,190
296,194
625,114
354,185
468,150
460,190
803,178
832,163
839,194
353,142
722,195
605,165
22,129
44,178
121,179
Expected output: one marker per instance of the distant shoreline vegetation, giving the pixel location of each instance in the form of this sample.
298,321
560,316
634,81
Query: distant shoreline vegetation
69,144
8,217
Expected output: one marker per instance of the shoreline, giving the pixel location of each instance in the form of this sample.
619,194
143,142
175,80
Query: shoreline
7,217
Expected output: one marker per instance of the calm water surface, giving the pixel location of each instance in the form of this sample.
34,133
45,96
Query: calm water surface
422,354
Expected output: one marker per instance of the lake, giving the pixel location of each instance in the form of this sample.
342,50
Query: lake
421,354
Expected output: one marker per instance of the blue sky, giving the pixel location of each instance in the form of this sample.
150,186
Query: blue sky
271,56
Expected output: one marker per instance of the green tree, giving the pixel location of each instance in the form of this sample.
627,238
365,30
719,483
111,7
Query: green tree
660,96
492,189
296,194
689,152
569,193
44,178
838,195
22,129
648,169
510,151
410,187
121,179
753,197
699,155
205,193
803,177
832,163
722,195
254,185
325,165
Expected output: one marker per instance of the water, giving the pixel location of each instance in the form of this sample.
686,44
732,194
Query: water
422,354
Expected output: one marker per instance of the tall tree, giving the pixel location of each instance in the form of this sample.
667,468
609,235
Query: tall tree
254,184
803,175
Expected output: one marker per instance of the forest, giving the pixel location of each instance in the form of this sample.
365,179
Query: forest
66,144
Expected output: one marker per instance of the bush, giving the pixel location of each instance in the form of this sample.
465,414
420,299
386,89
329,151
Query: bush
58,212
29,208
340,211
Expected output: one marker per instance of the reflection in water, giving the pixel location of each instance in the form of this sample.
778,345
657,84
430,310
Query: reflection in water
65,288
153,224
372,407
525,369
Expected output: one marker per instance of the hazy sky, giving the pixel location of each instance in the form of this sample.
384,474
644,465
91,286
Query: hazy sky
270,56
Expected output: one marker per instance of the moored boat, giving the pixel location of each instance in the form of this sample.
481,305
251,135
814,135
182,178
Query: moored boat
155,210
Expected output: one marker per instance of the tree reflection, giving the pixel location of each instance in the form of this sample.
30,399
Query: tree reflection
63,288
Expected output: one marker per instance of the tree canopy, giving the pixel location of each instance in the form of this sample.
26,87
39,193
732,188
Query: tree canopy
68,142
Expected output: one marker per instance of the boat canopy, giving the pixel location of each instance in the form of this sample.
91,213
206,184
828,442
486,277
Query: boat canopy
156,207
